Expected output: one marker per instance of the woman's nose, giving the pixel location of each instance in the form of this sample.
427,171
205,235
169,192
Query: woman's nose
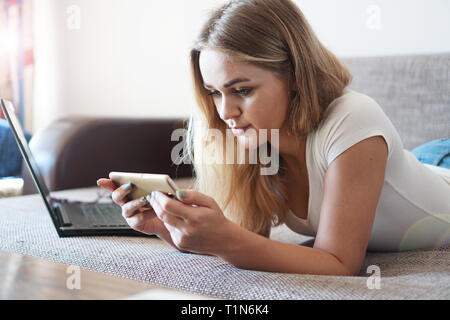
229,109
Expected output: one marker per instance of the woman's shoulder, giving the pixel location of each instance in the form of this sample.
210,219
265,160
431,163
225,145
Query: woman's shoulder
349,119
352,111
351,102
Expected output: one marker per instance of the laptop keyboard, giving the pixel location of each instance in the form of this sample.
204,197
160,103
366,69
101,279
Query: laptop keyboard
103,215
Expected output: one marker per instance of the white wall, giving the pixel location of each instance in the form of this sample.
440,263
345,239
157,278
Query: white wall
129,58
380,27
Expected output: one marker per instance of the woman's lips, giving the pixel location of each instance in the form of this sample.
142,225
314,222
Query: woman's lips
239,132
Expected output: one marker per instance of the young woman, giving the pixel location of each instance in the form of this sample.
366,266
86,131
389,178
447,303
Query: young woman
344,176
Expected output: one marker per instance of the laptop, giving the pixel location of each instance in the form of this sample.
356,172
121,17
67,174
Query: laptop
70,218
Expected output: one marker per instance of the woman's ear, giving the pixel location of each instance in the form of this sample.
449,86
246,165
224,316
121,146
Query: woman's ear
293,86
293,93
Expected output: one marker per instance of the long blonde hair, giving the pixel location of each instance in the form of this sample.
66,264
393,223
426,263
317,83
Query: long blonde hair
274,35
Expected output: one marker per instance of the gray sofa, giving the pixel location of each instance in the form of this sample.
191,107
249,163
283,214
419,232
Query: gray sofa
413,91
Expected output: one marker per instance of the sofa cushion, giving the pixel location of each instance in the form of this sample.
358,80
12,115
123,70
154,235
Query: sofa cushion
412,90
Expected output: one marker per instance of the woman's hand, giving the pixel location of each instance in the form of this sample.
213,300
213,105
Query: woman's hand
195,222
137,213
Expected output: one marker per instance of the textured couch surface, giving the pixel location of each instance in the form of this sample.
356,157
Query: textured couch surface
26,228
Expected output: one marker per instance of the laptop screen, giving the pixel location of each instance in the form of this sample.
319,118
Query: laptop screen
19,136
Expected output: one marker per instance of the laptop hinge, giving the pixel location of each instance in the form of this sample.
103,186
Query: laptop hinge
65,220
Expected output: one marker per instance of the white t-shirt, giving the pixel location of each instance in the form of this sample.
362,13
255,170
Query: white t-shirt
413,211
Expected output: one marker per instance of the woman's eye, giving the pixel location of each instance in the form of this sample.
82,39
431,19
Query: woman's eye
244,92
213,93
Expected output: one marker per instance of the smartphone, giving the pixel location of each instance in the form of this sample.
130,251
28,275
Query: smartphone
145,183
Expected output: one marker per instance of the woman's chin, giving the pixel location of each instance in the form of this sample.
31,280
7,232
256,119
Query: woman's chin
250,143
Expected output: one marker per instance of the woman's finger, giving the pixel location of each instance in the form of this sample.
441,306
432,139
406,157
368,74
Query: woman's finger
137,222
119,195
167,217
173,206
146,208
107,184
194,197
131,208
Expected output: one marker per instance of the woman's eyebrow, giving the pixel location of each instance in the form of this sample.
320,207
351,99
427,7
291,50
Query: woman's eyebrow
228,84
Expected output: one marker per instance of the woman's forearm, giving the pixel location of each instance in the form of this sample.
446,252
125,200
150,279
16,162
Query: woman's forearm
248,250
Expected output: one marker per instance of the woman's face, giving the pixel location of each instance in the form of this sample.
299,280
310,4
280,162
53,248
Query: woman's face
245,95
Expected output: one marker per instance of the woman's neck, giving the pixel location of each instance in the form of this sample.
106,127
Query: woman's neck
293,150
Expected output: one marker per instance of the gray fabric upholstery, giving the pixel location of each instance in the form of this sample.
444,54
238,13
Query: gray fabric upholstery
27,229
414,91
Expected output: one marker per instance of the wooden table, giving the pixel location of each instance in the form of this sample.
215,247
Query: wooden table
28,278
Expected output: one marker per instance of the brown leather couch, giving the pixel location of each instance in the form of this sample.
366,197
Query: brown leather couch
75,152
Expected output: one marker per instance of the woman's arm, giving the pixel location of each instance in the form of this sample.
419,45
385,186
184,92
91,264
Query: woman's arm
353,185
248,250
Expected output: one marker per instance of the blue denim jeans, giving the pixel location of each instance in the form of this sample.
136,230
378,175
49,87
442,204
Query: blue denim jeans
436,153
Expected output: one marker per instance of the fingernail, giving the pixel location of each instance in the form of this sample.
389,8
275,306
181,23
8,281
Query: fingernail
127,187
181,194
98,183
